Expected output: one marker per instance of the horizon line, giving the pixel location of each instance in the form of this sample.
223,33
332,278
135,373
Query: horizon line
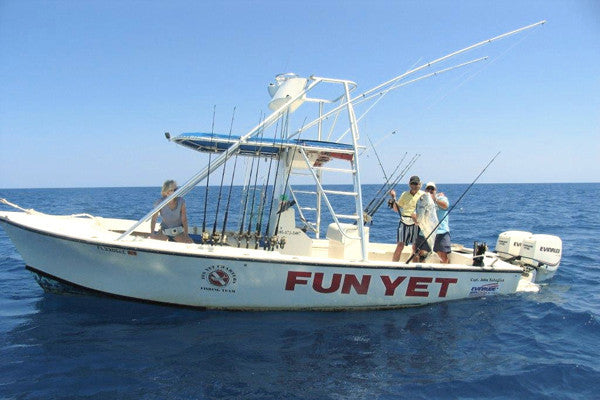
303,184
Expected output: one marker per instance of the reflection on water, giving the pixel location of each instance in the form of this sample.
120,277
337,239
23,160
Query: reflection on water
228,354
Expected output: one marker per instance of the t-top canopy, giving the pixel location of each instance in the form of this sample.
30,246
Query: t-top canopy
265,147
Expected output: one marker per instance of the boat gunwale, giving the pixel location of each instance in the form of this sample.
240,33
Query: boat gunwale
327,263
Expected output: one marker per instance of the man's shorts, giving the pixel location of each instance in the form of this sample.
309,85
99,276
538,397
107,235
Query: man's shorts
442,242
407,233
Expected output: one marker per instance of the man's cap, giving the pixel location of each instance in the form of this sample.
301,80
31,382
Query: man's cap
414,179
430,184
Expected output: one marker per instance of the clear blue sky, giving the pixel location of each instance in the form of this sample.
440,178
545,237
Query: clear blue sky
89,87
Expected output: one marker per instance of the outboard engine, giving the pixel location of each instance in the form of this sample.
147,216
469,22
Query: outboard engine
508,246
542,252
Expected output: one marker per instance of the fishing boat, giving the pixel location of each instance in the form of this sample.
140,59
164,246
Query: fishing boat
280,255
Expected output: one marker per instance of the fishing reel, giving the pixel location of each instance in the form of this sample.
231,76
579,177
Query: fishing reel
274,242
216,238
391,203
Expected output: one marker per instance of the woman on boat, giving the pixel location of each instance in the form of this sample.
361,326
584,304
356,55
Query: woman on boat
174,225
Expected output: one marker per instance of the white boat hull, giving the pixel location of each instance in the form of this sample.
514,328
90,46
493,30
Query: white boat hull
241,279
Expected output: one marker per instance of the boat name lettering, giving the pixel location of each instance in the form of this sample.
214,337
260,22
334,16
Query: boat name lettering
112,249
550,249
414,286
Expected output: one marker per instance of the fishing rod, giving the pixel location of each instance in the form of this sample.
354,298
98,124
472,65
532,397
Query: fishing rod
264,194
378,159
247,193
212,131
233,149
393,184
381,189
245,200
285,187
229,194
222,178
453,206
254,190
267,229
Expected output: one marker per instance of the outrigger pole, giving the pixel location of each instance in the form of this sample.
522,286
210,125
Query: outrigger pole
391,82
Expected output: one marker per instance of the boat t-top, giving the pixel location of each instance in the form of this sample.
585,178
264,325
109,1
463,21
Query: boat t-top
292,247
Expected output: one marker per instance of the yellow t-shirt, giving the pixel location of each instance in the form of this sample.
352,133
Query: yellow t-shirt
408,203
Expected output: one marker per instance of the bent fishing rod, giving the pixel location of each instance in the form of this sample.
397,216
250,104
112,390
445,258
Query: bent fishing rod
452,208
393,184
381,190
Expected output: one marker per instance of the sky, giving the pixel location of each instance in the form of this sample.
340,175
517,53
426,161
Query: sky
88,88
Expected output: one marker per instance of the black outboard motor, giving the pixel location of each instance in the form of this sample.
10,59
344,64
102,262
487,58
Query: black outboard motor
479,250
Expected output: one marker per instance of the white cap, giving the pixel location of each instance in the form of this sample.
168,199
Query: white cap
431,184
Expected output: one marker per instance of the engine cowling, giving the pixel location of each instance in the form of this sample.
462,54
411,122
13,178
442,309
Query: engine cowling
543,252
508,245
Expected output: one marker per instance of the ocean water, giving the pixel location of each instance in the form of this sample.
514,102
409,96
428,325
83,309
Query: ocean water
542,345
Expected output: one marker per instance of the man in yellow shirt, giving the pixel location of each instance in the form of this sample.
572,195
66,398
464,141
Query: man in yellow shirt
408,230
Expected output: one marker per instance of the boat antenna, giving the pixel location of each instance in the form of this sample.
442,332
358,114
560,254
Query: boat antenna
212,131
453,206
222,178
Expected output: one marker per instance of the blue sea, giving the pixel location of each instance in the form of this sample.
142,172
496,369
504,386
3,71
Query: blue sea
542,345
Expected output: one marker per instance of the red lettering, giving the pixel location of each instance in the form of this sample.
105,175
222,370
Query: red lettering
350,281
390,287
318,283
415,283
445,282
293,279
